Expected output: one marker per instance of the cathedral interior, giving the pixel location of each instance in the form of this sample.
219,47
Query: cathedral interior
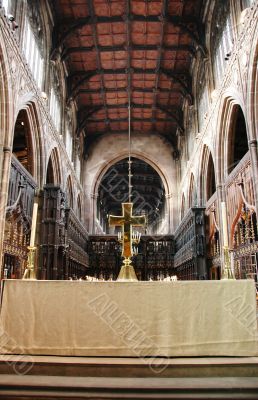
151,102
76,77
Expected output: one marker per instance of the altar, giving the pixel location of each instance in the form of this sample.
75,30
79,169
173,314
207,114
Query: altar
125,319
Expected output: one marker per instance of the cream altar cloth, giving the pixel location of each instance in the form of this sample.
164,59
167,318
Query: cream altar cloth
194,318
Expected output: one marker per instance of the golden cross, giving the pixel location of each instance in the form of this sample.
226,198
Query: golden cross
127,221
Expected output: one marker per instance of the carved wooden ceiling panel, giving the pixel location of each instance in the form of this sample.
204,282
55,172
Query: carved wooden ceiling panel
128,51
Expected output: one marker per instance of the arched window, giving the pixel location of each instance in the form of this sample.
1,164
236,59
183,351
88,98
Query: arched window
221,39
22,143
192,199
55,109
33,43
69,141
202,97
238,142
211,182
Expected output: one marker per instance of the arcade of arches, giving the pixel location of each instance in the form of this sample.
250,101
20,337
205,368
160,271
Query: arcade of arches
69,71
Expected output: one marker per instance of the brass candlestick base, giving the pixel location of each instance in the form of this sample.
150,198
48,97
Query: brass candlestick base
30,270
228,272
127,272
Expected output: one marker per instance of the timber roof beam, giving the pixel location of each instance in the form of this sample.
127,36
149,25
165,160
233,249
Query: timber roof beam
67,27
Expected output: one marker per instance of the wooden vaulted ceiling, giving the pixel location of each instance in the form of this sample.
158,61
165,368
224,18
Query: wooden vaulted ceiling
128,51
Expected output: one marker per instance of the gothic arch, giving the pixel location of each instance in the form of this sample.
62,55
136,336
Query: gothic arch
69,192
28,116
226,124
206,175
6,104
139,155
53,170
252,89
103,169
6,118
192,193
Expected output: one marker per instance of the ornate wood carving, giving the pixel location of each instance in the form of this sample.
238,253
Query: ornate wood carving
154,261
18,219
242,220
213,238
159,256
190,256
63,238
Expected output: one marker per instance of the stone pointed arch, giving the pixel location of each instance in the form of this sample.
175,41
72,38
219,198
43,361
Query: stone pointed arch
252,88
69,192
252,101
207,178
192,192
112,148
53,170
231,101
6,118
28,115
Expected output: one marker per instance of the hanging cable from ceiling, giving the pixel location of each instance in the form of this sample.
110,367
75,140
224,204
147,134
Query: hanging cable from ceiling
129,104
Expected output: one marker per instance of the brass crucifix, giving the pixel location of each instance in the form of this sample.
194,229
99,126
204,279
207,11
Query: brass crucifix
127,221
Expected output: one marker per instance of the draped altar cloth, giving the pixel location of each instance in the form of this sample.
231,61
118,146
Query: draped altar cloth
137,319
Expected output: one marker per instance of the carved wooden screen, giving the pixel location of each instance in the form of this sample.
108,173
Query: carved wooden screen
77,259
18,220
154,261
190,248
52,246
64,239
213,238
104,257
242,220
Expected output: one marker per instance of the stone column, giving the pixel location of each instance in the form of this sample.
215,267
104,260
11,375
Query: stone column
253,146
227,269
4,185
170,213
93,213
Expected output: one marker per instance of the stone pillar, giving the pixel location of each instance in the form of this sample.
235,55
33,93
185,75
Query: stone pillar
253,146
170,213
93,213
227,269
4,185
